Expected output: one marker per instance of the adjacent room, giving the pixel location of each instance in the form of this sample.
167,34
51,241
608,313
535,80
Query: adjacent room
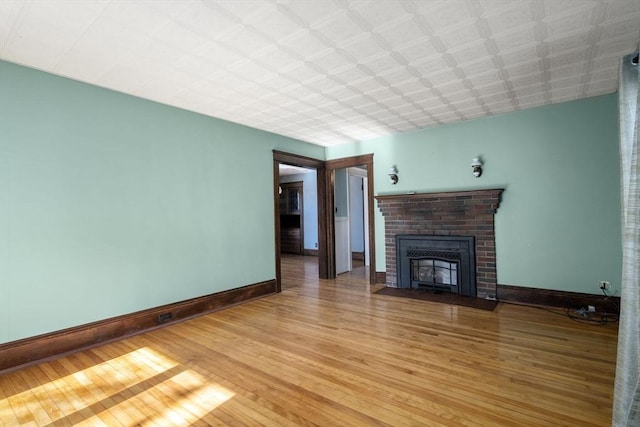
291,212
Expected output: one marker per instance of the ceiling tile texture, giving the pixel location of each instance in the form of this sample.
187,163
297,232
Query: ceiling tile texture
330,72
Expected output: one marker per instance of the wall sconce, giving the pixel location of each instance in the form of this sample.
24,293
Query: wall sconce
476,164
393,175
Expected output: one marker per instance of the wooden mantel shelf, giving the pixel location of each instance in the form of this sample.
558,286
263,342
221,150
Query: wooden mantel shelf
438,195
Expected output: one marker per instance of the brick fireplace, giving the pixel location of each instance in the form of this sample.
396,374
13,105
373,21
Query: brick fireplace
461,213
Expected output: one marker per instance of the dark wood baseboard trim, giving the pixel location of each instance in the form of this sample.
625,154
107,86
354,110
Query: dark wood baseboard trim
549,297
310,252
358,256
27,351
381,277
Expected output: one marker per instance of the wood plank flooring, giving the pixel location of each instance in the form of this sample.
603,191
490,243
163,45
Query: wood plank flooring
331,353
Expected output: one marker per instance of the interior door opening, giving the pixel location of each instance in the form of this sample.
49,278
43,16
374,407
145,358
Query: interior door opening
350,206
298,211
309,204
350,218
326,237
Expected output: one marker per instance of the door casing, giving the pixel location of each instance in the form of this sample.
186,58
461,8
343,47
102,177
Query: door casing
326,231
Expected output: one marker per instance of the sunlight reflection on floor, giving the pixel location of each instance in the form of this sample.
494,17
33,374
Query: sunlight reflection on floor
152,381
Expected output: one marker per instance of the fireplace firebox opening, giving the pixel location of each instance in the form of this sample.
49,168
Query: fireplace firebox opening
439,263
434,273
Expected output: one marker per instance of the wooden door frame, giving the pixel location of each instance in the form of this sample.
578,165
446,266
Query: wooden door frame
347,162
326,231
319,165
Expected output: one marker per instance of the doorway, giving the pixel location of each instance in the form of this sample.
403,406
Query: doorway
365,164
298,225
351,216
325,206
299,212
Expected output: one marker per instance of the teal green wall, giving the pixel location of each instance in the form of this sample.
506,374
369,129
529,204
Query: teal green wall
558,226
111,204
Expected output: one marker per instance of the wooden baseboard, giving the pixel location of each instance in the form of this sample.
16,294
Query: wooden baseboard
358,256
17,354
549,297
381,277
310,252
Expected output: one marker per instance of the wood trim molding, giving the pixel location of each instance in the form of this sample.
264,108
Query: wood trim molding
548,297
296,160
347,162
319,166
310,252
276,219
326,241
441,194
381,278
328,236
28,351
324,261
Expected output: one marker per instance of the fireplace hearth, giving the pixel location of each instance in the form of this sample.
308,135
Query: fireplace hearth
439,263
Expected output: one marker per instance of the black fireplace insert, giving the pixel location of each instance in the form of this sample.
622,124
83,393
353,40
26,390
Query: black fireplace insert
439,263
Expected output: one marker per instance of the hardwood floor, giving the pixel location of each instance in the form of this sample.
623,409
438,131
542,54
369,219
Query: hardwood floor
328,352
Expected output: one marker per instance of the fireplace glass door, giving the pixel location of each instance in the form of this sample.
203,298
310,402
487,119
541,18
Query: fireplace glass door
434,273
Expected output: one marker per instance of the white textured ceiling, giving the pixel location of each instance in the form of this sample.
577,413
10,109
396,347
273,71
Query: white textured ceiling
330,72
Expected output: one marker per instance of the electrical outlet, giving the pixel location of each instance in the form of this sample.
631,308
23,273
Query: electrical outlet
603,284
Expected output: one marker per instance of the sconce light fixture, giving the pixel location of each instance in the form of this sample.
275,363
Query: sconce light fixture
393,175
476,164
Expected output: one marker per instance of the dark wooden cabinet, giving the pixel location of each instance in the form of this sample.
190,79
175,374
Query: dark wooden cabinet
291,218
